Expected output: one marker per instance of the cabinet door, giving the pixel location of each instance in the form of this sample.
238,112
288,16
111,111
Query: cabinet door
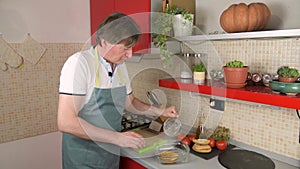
139,11
127,163
99,10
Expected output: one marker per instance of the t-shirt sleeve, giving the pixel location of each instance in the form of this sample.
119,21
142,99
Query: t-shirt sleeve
73,78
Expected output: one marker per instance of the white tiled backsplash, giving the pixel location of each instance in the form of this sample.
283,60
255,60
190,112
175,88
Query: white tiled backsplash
29,95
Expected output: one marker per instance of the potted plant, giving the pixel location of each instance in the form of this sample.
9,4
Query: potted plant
199,73
287,74
182,21
235,74
165,29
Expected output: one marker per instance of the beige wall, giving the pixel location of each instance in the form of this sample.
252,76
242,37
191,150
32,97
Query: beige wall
53,21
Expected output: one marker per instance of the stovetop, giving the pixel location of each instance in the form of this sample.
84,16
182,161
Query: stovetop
131,121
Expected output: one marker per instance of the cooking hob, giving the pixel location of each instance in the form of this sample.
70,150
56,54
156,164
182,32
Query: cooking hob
244,159
131,121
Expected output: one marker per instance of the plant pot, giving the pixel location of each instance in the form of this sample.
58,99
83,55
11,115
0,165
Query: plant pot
287,79
181,26
199,77
235,77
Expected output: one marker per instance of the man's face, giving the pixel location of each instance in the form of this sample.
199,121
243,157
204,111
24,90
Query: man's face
116,53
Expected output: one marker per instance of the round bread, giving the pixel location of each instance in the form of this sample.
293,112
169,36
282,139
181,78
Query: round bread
201,148
201,141
168,156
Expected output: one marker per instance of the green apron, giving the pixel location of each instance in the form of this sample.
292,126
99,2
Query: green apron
104,110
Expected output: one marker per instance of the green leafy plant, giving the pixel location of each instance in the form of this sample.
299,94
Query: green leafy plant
287,72
235,64
164,28
221,133
199,68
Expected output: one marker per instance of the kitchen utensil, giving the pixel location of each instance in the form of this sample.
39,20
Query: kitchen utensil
152,147
153,98
172,153
156,124
172,127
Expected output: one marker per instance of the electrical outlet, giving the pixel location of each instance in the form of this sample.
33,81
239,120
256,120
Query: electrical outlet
217,104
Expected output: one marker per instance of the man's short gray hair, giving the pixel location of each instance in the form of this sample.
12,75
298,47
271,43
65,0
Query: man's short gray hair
118,28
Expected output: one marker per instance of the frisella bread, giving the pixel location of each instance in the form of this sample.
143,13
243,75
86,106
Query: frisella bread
201,141
168,156
201,146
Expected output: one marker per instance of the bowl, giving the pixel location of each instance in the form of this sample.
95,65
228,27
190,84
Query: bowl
172,127
173,153
285,87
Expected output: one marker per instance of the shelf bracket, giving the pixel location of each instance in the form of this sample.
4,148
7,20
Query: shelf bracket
234,100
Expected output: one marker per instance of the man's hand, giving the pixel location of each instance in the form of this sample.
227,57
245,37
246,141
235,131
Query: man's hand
169,112
130,139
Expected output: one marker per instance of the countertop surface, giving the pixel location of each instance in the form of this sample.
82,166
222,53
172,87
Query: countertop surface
149,160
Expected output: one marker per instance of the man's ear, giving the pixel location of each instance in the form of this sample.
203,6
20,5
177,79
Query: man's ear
103,42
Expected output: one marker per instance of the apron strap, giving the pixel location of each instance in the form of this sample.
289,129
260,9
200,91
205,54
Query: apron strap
97,82
122,80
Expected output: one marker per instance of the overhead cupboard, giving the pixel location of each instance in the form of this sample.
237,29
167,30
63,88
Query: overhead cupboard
138,10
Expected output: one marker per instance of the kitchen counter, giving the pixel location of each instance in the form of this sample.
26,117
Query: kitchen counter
196,162
148,161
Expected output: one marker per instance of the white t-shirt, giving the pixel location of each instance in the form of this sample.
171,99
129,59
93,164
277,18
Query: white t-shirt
78,75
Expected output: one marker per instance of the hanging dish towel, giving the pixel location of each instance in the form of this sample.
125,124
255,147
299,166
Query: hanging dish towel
3,66
8,56
31,50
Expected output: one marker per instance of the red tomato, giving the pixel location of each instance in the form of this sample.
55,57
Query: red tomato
180,137
221,144
212,142
191,137
186,141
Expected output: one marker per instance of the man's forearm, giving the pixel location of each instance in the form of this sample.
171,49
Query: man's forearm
138,107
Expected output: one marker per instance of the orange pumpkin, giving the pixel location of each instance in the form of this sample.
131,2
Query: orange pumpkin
245,18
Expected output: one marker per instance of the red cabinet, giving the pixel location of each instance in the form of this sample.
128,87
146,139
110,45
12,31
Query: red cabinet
127,163
137,9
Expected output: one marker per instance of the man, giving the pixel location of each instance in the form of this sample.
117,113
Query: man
94,91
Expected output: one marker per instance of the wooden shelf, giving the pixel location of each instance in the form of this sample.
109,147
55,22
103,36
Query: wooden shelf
255,94
244,35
